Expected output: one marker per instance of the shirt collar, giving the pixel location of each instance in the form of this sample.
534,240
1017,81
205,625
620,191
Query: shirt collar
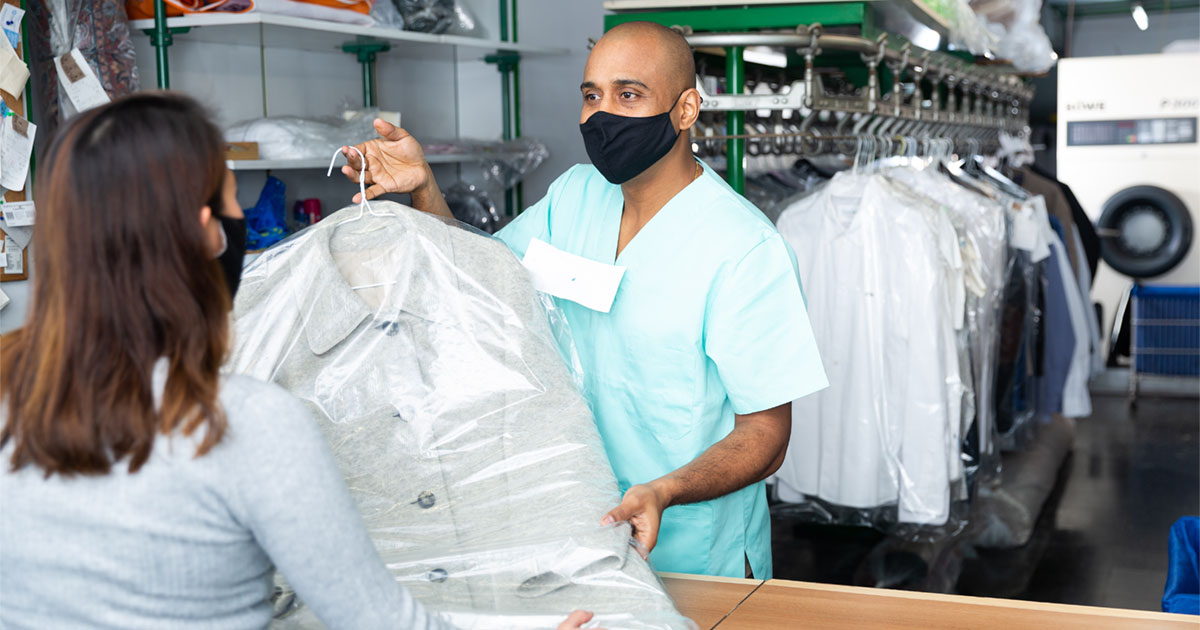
330,310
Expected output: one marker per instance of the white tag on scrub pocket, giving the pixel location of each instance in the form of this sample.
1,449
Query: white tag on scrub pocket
570,277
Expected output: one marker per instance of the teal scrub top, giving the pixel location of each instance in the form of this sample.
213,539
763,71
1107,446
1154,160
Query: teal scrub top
709,321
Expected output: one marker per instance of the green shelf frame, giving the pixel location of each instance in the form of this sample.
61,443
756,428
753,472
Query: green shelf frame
754,18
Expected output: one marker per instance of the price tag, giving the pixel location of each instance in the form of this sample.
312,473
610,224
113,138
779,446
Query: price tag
79,81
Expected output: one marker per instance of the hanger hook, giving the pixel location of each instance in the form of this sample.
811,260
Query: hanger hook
362,179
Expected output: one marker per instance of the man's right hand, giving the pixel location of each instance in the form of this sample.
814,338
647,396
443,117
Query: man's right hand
395,162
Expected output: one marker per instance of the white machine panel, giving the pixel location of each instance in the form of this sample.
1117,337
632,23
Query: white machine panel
1131,121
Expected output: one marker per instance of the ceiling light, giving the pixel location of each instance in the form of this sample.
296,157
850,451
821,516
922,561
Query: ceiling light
1139,16
766,56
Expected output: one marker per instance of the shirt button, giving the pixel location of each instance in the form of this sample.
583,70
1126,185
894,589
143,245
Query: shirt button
437,576
426,500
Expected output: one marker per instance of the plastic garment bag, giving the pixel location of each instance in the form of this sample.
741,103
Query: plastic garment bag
982,227
881,445
432,368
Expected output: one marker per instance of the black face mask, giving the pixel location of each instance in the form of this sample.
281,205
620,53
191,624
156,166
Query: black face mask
231,257
623,147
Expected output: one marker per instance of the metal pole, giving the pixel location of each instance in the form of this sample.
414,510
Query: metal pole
368,72
506,102
735,148
516,113
162,39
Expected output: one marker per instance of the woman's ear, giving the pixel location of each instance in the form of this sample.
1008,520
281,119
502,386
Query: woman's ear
211,229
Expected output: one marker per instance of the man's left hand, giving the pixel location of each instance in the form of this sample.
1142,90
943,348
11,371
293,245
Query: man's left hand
642,506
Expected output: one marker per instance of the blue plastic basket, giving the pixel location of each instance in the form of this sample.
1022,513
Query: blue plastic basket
1166,330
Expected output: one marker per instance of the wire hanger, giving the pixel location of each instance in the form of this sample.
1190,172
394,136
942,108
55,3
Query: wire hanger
364,205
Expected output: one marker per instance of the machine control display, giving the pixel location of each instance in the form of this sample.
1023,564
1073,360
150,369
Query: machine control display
1143,131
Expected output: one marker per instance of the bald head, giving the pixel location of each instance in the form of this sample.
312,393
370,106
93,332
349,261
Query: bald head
658,50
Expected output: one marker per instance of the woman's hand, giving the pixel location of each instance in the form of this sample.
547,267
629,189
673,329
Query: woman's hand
395,162
575,620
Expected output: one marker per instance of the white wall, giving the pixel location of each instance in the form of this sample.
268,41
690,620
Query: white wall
550,99
1118,35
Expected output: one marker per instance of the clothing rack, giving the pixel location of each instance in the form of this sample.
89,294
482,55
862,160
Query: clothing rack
932,95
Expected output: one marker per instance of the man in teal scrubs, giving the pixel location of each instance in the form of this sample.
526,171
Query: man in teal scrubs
692,371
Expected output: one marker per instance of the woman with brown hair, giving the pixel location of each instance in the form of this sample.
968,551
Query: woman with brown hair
143,489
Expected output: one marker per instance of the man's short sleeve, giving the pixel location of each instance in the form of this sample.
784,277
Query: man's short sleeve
534,222
757,331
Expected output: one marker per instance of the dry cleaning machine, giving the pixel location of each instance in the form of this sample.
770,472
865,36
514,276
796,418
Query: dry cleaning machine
1128,149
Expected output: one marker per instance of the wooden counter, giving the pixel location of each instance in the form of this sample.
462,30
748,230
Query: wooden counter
736,604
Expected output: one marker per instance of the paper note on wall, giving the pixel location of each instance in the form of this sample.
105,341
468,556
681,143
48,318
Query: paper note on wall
10,23
20,235
13,72
16,146
79,81
18,213
14,263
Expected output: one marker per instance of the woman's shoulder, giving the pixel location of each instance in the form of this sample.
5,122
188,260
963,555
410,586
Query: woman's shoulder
258,410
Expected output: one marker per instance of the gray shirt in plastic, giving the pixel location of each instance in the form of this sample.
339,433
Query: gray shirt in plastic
435,375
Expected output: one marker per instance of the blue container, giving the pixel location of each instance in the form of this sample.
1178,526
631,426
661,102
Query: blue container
1166,328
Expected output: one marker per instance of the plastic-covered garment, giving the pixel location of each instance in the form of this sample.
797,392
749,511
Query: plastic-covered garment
472,206
1020,328
431,366
1182,592
1017,32
100,30
878,266
983,230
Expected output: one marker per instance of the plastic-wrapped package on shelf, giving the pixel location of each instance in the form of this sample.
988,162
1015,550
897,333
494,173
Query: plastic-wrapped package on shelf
293,138
385,14
437,374
427,16
1019,36
465,23
504,162
966,32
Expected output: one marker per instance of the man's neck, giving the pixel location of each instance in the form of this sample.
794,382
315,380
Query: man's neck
647,193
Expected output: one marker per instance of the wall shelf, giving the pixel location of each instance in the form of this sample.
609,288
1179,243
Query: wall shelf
323,163
287,32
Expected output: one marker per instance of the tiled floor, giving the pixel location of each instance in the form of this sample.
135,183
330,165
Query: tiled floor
1101,541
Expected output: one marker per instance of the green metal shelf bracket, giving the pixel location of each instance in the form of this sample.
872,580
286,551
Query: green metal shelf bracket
367,49
162,38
